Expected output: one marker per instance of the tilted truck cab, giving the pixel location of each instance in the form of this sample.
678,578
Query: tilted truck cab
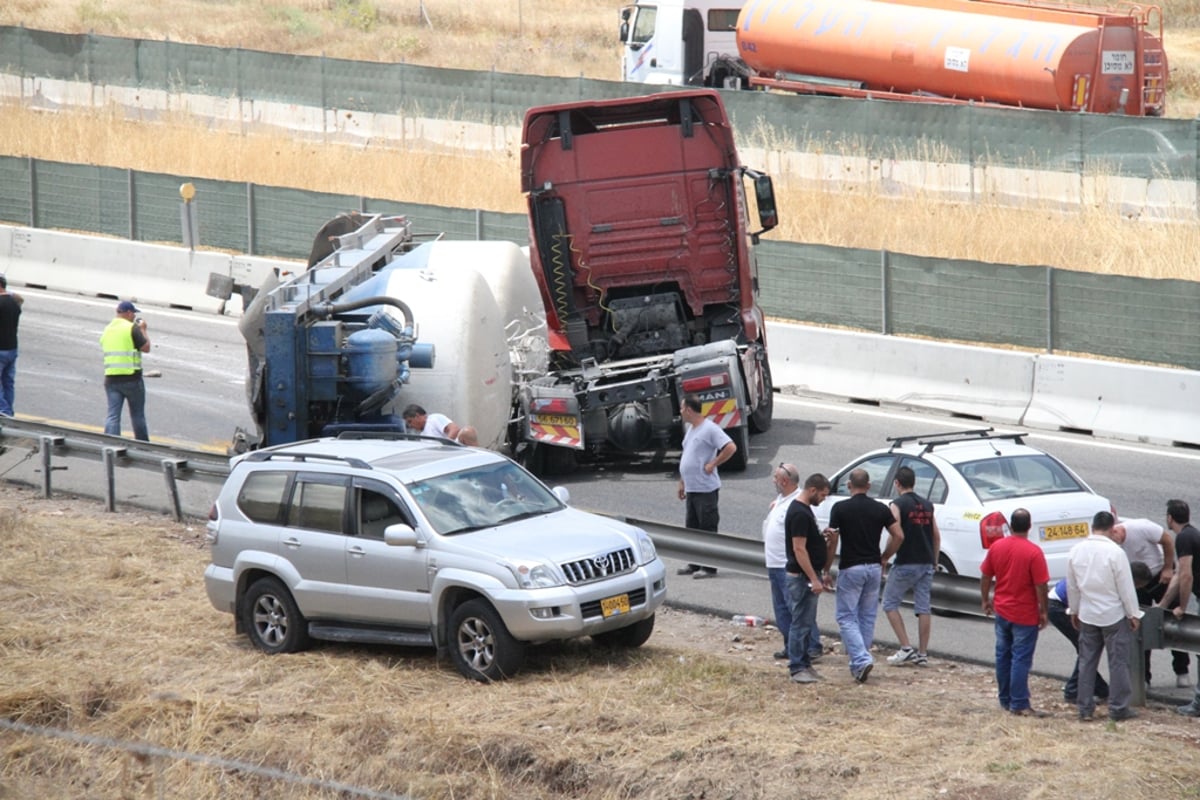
641,246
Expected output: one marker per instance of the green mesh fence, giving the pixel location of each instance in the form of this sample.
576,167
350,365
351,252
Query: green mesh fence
1151,148
967,300
1035,307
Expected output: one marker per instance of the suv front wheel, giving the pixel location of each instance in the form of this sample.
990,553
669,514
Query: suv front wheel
480,645
271,618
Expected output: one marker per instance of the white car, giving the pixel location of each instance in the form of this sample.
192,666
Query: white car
975,480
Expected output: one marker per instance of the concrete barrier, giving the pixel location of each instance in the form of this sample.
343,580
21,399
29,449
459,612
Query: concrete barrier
994,385
1121,401
148,273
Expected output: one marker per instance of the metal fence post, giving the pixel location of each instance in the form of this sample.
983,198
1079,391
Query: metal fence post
1050,309
48,444
885,323
170,467
110,455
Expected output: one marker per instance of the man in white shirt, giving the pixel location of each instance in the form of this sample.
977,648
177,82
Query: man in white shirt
421,421
787,485
1104,609
1146,541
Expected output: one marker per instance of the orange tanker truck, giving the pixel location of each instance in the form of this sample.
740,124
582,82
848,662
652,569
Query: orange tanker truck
995,52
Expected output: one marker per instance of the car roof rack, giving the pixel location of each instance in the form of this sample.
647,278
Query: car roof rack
396,436
271,454
933,440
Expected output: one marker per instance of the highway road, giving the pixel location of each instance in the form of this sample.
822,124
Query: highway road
199,399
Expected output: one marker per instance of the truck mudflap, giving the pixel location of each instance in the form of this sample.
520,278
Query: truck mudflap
556,433
554,419
723,412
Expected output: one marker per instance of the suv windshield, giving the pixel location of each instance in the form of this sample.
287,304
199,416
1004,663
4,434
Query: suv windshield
1006,477
482,497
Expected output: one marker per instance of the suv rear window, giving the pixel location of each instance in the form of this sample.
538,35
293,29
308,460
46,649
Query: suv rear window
262,496
1018,476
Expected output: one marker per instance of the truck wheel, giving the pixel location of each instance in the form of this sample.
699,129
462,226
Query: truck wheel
741,437
629,637
760,418
481,646
271,618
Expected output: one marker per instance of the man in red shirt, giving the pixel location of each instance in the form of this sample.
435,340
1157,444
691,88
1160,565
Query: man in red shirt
1018,567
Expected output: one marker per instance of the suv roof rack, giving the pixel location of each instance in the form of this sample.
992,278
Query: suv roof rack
268,455
933,440
396,436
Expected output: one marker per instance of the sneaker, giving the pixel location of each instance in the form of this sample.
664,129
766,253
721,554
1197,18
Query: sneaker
815,656
701,574
921,660
1086,717
1118,716
688,570
804,676
902,656
781,655
861,675
816,674
1190,710
1182,682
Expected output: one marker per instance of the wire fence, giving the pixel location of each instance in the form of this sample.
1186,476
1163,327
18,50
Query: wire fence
227,771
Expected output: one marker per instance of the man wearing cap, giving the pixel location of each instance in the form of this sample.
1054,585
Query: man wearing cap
10,318
123,342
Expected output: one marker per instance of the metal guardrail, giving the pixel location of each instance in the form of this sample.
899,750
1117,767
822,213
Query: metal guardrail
56,441
951,593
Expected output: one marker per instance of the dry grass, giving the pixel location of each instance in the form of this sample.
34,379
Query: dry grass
107,633
544,37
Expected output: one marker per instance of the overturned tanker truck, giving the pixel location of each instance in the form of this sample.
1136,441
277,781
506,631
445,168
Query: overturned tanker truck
639,286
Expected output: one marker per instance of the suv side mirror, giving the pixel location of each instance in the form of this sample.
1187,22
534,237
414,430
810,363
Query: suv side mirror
401,535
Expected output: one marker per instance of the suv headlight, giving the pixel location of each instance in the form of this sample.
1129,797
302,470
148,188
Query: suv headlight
646,549
534,575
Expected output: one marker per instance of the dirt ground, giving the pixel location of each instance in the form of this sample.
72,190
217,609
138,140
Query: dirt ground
120,680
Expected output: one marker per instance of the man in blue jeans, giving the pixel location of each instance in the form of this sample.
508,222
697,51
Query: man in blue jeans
787,486
10,319
806,562
123,342
858,522
1018,568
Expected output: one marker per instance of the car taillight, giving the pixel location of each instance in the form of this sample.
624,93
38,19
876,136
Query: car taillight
212,513
992,529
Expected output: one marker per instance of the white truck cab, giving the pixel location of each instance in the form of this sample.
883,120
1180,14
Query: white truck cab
676,42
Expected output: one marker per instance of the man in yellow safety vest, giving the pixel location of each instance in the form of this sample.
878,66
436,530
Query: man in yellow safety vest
123,342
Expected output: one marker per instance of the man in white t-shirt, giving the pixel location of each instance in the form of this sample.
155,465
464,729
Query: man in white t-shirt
421,421
1146,541
787,484
705,448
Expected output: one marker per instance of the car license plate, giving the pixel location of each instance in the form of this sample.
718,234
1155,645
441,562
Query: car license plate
1074,530
611,606
554,419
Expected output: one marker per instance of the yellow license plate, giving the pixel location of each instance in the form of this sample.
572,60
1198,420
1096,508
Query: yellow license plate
554,419
611,606
1075,530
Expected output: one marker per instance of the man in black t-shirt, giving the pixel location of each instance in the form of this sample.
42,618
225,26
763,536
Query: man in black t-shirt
858,522
806,556
916,561
1186,581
